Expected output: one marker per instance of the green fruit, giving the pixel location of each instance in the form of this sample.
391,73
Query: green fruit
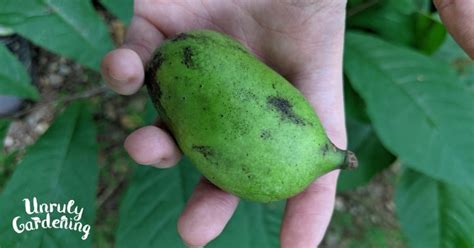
245,127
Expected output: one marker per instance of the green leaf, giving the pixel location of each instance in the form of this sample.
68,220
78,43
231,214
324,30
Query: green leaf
253,225
363,141
391,19
423,5
150,114
353,104
123,9
14,79
452,53
433,213
152,204
155,198
60,167
370,152
70,28
430,33
419,109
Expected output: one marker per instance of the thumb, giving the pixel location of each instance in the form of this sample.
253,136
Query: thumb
458,17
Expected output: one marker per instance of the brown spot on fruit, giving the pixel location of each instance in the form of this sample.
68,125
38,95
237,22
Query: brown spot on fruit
325,149
152,83
206,151
285,108
155,63
265,134
188,57
150,74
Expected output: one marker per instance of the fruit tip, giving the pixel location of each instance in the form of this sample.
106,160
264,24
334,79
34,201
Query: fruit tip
350,162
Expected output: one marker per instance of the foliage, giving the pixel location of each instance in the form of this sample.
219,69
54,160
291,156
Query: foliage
70,28
442,210
61,166
428,120
409,92
14,79
120,8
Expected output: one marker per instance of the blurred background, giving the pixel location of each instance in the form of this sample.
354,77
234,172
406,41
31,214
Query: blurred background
49,57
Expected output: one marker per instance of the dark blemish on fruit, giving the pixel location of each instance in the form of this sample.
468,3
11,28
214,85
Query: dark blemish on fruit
200,86
285,108
247,172
153,87
156,62
152,83
188,57
265,134
246,95
222,116
180,36
206,151
325,149
273,86
184,98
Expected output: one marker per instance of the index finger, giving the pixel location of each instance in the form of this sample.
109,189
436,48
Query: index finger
123,68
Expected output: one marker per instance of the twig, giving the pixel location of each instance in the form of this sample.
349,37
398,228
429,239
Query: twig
109,192
359,8
87,94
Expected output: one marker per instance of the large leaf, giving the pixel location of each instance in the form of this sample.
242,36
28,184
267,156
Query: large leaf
59,168
363,141
155,198
14,79
151,206
435,214
419,109
452,53
391,19
253,225
70,28
123,9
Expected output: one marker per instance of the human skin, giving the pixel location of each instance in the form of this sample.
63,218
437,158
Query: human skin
303,41
458,17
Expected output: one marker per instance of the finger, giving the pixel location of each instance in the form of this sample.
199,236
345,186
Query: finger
143,38
311,209
459,20
152,146
206,214
123,68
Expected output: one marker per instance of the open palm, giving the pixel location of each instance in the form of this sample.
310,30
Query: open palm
301,39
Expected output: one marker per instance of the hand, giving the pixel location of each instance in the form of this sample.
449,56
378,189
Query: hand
459,20
301,39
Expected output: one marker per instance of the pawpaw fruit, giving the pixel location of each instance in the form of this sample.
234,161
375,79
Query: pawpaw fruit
244,126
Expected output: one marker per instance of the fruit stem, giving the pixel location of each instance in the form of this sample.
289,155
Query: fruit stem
350,161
